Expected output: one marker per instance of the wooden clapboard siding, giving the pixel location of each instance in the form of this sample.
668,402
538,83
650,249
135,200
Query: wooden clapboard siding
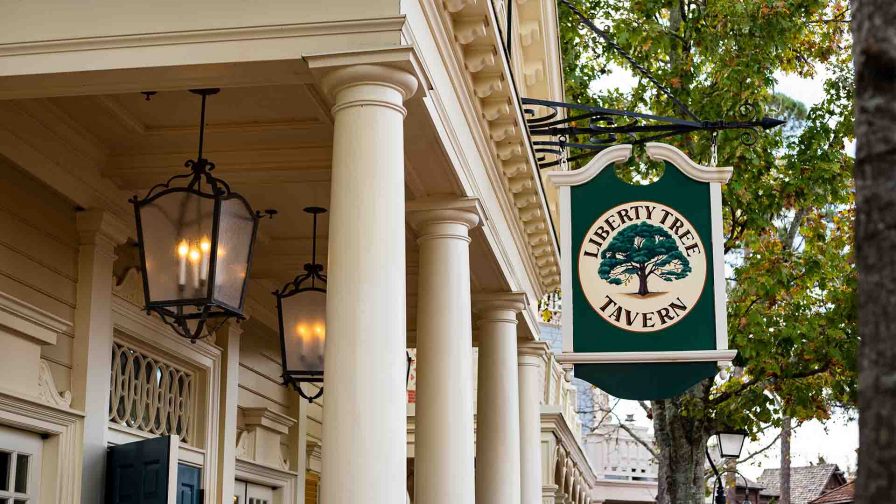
260,370
39,256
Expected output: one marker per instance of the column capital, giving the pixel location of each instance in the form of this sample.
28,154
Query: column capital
500,301
424,214
533,352
98,223
397,67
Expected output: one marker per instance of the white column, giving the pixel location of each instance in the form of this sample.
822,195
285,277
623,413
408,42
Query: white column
498,412
99,233
364,417
531,380
443,442
228,338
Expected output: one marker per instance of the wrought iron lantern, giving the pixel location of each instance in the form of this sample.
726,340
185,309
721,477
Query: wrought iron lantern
730,443
302,313
195,238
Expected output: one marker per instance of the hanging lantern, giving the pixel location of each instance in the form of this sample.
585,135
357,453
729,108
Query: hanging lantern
195,238
302,312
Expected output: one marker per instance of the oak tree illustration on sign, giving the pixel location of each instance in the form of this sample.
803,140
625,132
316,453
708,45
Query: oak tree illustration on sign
643,250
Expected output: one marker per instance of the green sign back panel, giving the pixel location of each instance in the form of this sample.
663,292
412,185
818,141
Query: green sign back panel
690,198
645,382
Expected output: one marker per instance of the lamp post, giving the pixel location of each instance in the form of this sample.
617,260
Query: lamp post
730,445
195,238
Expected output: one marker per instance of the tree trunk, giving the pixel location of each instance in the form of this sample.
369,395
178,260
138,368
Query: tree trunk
874,33
642,285
731,480
681,439
786,431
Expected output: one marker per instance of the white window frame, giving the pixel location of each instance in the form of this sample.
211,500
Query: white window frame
149,334
16,442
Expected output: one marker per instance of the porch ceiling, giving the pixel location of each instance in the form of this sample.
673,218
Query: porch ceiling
272,144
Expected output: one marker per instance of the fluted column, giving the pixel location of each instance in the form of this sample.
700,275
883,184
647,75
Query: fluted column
364,424
444,458
498,413
531,379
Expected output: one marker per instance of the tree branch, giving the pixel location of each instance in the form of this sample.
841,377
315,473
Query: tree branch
637,438
759,452
728,394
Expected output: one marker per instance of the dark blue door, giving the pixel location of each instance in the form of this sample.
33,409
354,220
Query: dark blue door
188,482
141,472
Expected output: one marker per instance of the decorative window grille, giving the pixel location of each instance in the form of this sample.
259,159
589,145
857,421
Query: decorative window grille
150,395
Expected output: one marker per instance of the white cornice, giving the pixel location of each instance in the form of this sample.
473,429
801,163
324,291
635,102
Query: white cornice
204,36
472,29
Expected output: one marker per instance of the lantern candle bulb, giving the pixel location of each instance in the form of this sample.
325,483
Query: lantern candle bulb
195,258
204,247
183,249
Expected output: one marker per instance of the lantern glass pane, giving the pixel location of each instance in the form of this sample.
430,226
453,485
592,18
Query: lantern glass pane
235,235
176,239
731,444
305,329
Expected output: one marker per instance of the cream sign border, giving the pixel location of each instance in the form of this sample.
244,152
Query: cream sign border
715,177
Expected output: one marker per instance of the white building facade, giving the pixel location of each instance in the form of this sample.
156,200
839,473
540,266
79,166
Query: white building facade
403,119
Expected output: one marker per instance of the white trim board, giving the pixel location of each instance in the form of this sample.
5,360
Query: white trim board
646,357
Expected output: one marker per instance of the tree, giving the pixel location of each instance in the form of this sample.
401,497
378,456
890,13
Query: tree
788,210
643,250
875,59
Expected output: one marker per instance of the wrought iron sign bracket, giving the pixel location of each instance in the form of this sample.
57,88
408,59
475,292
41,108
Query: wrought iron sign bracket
593,129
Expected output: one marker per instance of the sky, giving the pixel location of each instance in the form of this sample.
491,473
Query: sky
837,439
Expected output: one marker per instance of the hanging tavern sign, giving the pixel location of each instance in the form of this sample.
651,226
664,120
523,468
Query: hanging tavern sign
643,274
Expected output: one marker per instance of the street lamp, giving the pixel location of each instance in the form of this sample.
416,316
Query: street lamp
302,313
195,238
730,444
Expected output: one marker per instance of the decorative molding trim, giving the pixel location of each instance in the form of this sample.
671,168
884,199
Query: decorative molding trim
26,319
47,390
268,418
606,157
700,173
131,288
204,36
646,357
62,426
492,87
282,481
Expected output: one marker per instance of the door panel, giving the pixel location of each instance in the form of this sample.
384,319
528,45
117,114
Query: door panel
144,472
188,485
252,493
